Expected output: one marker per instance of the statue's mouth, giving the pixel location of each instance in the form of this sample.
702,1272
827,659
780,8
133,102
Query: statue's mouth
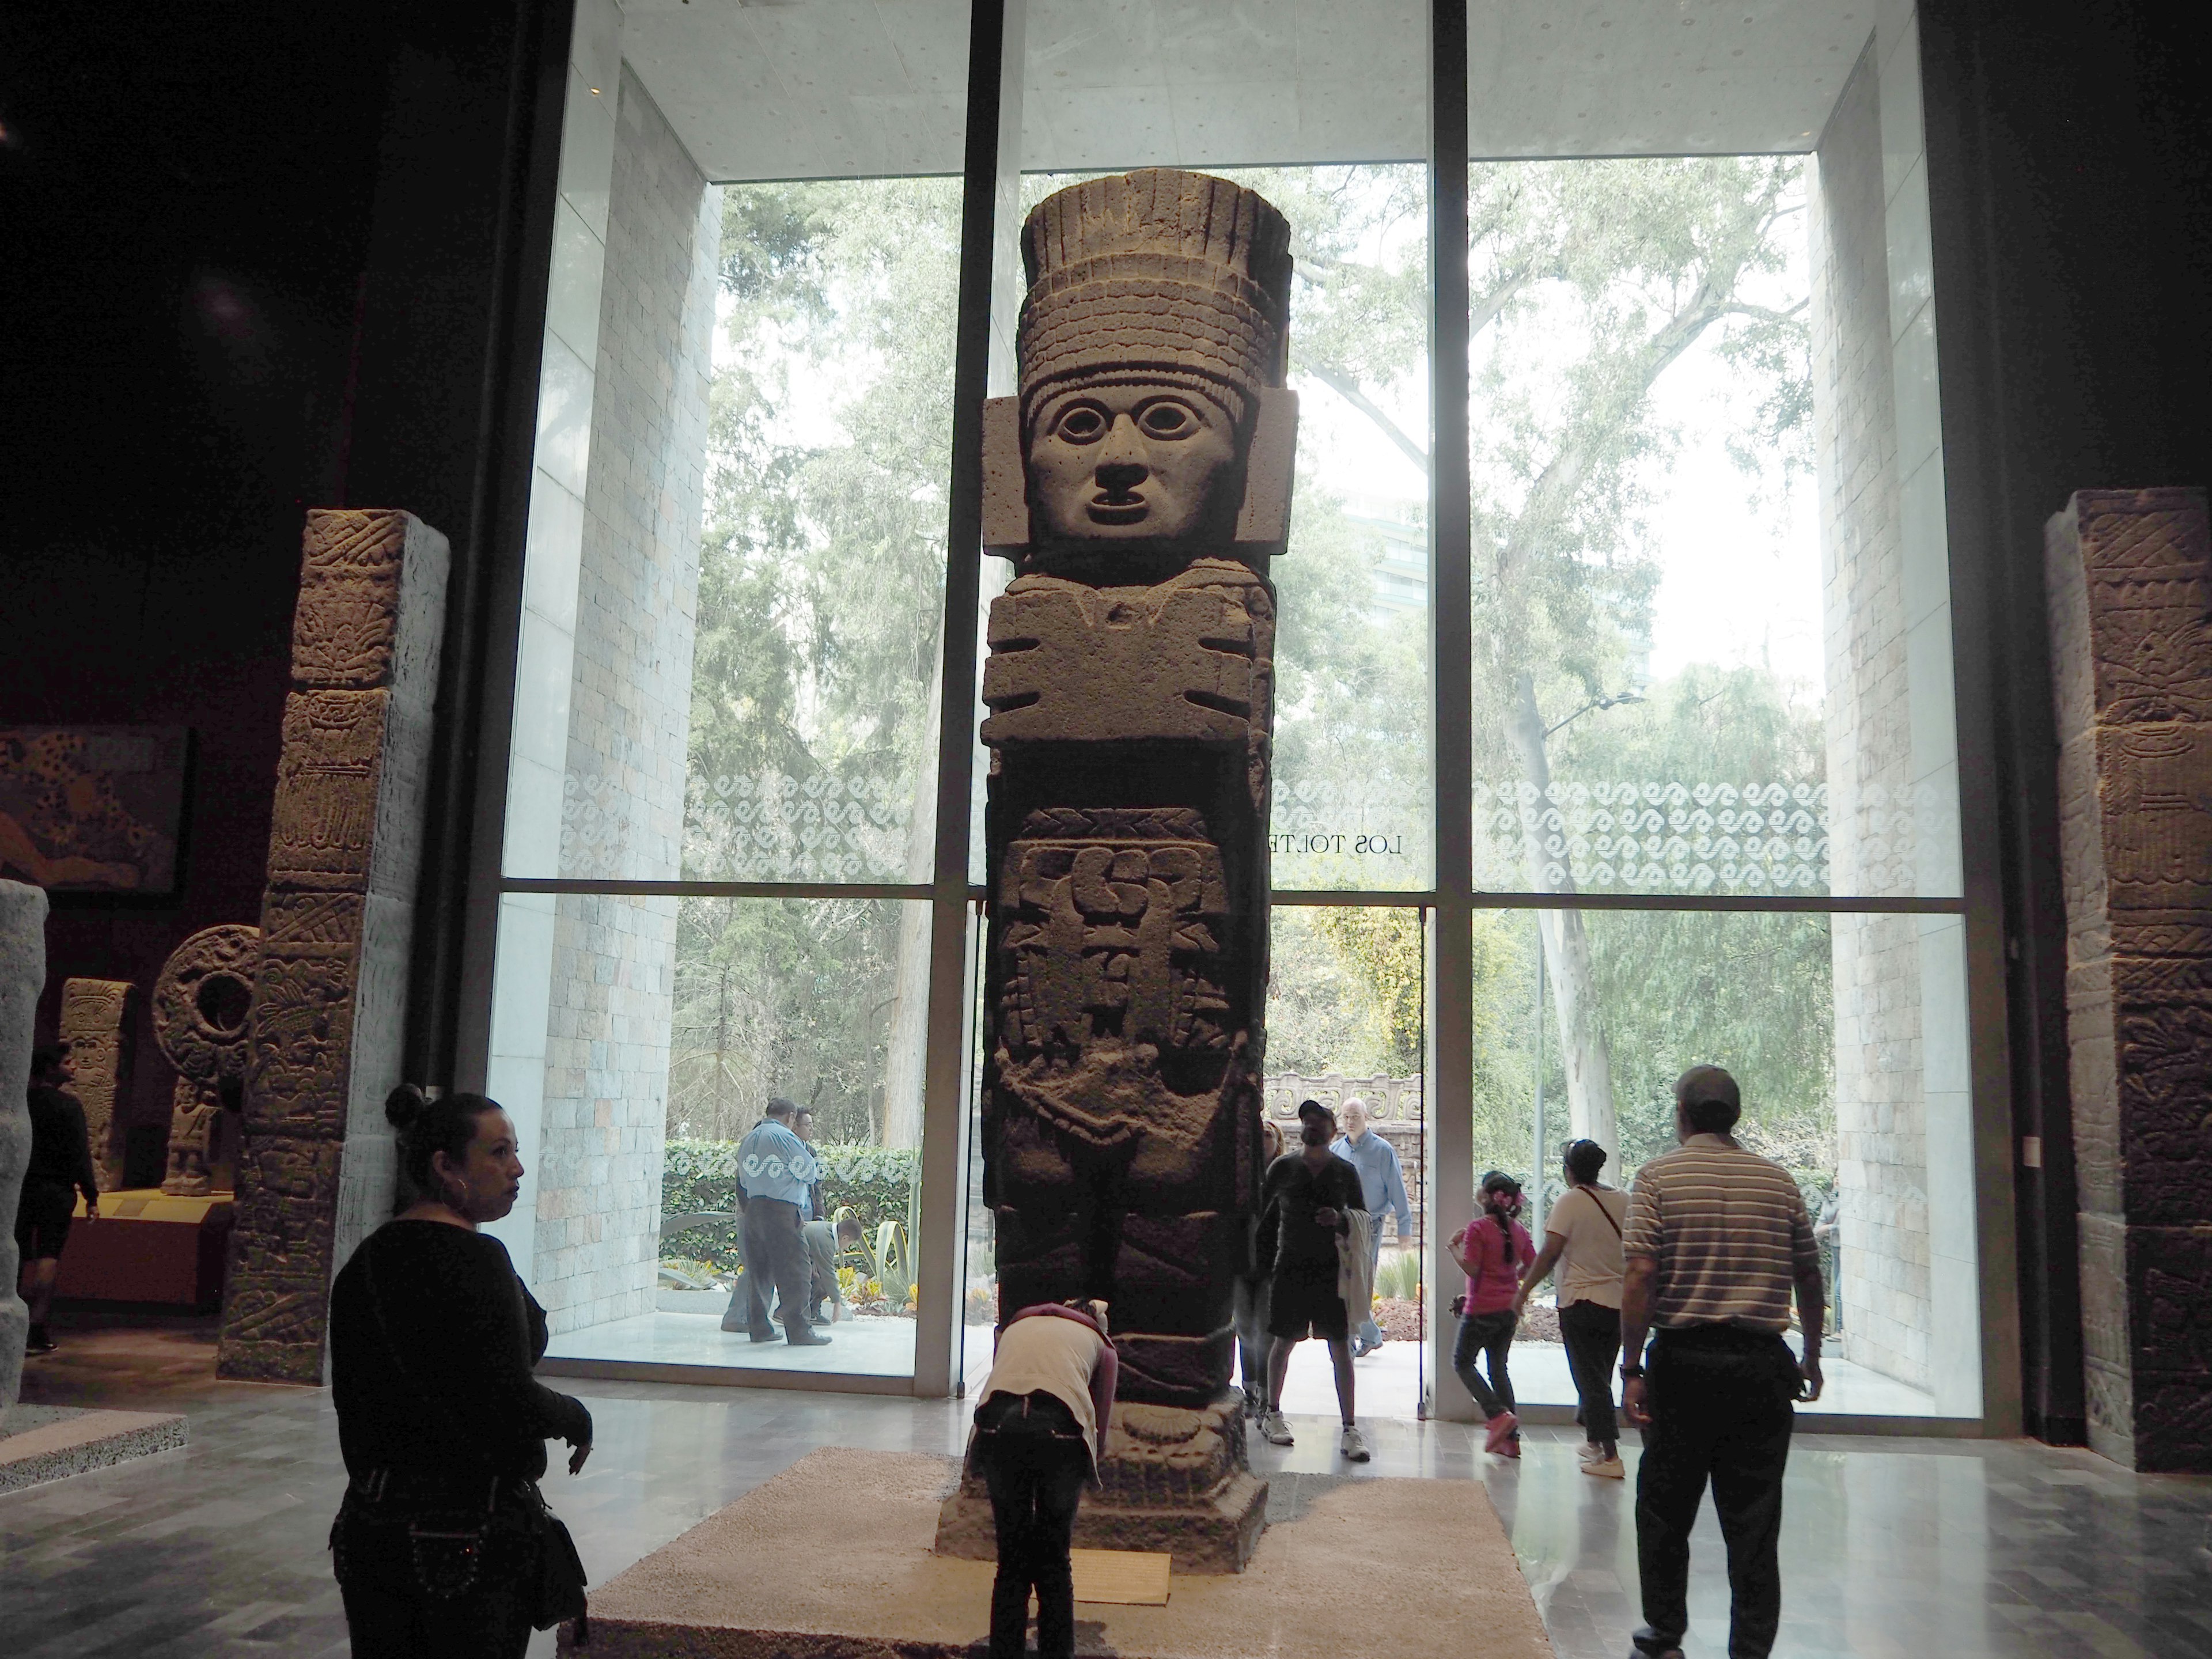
1118,506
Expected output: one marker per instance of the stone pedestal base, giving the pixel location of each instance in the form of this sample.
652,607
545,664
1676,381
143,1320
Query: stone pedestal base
831,1559
1174,1482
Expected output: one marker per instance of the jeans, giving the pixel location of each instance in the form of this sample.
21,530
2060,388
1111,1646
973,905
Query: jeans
1251,1318
384,1624
1721,1411
1489,1335
1592,1333
389,1615
775,1253
1033,1463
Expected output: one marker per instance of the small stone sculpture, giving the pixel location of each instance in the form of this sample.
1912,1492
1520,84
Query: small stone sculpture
22,977
95,1023
200,1002
1139,482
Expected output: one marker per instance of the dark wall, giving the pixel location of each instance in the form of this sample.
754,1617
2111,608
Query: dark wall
2068,149
183,220
255,258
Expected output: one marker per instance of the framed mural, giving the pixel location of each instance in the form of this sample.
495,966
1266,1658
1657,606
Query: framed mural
93,809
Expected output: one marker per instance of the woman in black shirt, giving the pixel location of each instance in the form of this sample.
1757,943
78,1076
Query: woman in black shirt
439,1545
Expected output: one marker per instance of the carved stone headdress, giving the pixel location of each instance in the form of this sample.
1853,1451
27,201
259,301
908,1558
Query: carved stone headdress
1165,270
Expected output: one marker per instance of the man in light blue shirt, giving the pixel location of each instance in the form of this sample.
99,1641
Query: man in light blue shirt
775,1172
1384,1183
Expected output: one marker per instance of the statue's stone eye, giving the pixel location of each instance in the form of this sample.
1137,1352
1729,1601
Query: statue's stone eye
1167,421
1082,425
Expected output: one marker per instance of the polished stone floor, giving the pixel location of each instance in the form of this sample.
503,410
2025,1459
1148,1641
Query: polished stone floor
1957,1549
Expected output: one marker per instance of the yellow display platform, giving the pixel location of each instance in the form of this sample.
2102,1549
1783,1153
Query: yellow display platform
148,1247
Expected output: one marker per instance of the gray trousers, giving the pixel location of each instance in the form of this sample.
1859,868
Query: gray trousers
775,1253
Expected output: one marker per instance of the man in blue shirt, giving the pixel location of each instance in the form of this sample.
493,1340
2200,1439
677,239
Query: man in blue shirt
775,1172
1384,1185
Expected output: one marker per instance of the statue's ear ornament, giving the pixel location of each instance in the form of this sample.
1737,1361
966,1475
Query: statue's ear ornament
1263,522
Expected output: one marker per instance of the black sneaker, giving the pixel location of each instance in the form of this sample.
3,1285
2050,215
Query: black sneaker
38,1341
809,1340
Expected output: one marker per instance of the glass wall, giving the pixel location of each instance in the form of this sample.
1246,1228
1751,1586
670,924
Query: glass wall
726,687
1714,810
1711,636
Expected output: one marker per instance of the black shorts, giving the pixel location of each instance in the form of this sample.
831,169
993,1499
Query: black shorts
1302,1301
42,1219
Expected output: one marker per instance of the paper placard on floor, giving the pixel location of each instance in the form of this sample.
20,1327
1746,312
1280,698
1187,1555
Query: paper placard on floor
1129,1578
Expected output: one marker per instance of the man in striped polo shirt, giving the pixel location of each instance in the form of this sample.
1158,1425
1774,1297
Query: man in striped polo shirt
1718,1239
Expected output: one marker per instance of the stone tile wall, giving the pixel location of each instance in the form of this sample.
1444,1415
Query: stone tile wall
610,996
1908,1255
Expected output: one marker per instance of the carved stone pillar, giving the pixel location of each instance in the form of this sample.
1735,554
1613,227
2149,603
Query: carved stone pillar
95,1023
22,977
345,853
2130,574
1139,482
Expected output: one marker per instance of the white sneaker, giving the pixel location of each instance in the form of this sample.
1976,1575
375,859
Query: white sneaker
1352,1445
1274,1430
1606,1469
1590,1452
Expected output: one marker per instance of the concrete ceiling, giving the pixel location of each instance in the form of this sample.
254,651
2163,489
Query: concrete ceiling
815,88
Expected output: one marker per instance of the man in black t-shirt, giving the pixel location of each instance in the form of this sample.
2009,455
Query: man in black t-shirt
1308,1202
60,1168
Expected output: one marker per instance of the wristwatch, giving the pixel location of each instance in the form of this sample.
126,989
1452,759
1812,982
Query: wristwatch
1630,1373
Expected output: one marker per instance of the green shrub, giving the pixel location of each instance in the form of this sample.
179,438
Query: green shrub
874,1182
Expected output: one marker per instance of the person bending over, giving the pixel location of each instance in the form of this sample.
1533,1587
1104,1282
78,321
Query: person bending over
1492,1251
443,1547
1585,1229
60,1167
1309,1198
1039,1434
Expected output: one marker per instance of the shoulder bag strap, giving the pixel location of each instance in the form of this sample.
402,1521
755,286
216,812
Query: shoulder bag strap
1606,1214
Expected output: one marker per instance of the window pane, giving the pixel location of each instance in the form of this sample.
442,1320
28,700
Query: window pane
648,1081
1321,111
1847,1035
734,572
1712,622
1345,1023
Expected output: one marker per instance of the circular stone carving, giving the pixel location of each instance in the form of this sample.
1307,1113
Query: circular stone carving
201,999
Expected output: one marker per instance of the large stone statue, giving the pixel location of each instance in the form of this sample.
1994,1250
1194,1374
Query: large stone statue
1140,483
95,1023
22,977
200,999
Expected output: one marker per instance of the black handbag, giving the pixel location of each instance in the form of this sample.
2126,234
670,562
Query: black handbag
524,1542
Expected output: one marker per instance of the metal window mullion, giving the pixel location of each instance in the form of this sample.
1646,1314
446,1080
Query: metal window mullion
1450,1089
994,140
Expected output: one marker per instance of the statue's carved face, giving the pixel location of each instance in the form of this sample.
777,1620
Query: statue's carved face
1133,462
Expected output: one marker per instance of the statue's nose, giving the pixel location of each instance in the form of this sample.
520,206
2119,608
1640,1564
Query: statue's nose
1121,457
1118,476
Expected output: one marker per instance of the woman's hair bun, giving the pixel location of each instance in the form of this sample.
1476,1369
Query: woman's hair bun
402,1106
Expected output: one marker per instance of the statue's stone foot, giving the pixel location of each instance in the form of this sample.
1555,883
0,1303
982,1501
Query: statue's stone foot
1174,1482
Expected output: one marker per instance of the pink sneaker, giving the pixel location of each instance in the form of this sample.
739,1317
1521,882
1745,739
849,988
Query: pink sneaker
1503,1439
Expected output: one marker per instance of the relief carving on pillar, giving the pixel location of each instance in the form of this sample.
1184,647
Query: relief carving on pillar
344,839
95,1023
2129,575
